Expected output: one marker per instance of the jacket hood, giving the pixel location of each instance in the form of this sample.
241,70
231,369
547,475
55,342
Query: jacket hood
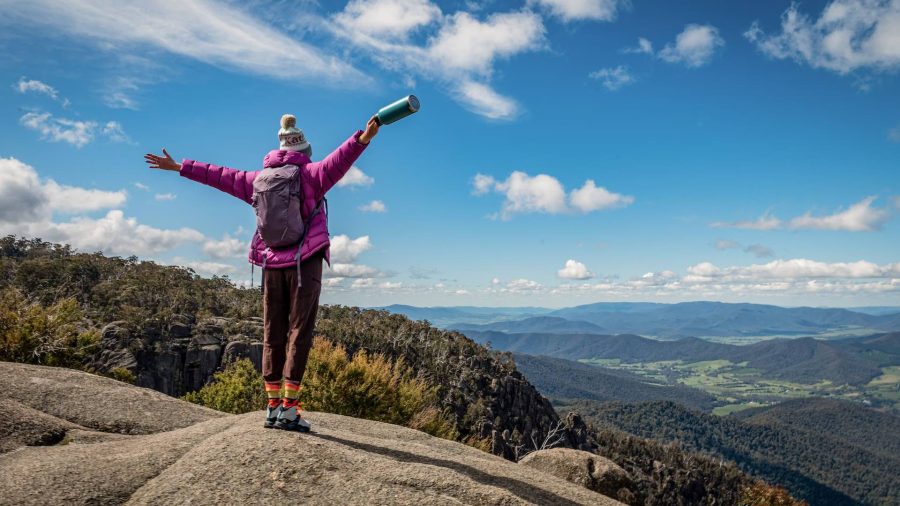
281,157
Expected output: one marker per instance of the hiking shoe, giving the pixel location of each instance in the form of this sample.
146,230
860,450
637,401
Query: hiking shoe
272,416
290,419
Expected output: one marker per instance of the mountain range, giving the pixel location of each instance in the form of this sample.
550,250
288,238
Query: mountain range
853,361
665,321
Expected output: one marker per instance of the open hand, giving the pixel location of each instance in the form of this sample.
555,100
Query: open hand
162,162
371,131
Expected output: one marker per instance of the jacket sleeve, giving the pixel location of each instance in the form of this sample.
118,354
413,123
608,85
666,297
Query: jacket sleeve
234,182
325,173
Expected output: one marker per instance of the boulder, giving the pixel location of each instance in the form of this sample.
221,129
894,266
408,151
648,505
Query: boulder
229,459
586,469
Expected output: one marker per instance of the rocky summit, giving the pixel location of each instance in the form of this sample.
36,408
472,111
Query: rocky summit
68,437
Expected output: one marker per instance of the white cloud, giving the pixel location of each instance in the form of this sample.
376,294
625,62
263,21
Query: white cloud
394,19
522,286
355,177
33,85
333,282
482,99
346,250
112,234
362,283
860,217
527,194
141,186
228,247
209,268
351,270
28,198
644,47
216,33
467,44
764,222
545,194
76,133
120,91
848,35
114,131
694,46
591,197
28,203
73,199
723,244
570,10
482,184
460,52
798,268
574,270
613,78
165,196
376,206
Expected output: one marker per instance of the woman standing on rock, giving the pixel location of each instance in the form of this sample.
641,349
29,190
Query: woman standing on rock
289,245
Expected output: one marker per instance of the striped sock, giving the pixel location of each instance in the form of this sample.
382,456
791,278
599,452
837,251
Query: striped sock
291,393
273,392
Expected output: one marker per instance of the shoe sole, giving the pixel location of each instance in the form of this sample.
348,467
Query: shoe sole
298,429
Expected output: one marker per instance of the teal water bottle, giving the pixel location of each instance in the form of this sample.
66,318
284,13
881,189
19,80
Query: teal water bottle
397,110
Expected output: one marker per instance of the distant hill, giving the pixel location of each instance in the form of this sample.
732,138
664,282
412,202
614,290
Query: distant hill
824,465
722,319
850,422
802,360
667,321
553,324
562,379
881,348
446,316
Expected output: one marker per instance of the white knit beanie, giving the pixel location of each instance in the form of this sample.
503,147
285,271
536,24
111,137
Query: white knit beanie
290,137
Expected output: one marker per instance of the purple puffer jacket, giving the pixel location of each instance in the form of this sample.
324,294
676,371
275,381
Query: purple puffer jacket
318,178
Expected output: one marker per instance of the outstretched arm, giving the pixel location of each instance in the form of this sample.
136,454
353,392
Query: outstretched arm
324,174
231,181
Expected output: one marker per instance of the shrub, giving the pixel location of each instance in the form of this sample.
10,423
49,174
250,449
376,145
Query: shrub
237,389
122,374
364,386
763,494
53,335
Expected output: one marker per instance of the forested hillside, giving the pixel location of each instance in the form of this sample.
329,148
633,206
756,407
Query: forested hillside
562,379
825,464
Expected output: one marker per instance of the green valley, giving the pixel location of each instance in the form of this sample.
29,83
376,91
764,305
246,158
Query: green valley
737,386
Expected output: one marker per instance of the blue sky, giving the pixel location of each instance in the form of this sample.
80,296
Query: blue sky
567,151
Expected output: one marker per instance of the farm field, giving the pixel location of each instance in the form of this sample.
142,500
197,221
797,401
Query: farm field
739,387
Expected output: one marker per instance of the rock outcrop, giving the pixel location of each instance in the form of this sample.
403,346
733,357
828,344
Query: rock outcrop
111,443
489,398
586,469
180,357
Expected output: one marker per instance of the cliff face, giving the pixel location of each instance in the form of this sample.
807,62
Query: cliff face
492,402
117,443
181,356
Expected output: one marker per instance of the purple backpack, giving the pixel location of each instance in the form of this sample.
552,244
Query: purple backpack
277,199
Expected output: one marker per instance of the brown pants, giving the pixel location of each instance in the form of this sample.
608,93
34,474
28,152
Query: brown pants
289,316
